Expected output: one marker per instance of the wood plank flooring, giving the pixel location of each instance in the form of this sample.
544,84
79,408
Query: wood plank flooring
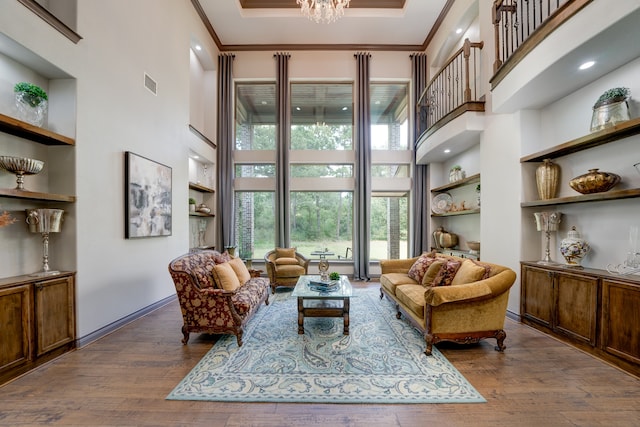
123,379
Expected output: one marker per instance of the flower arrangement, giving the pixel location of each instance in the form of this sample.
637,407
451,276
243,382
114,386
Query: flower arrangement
616,94
6,219
34,95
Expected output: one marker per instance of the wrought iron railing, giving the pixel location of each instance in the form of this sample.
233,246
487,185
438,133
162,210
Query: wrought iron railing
456,86
520,25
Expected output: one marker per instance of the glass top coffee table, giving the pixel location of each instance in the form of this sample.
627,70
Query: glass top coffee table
322,303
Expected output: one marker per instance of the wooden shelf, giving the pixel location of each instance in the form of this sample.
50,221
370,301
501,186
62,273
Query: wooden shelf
597,197
458,213
33,133
466,181
201,188
201,214
34,195
202,136
614,133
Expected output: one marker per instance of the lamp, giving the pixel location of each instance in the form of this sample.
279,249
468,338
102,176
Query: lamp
547,222
325,11
44,221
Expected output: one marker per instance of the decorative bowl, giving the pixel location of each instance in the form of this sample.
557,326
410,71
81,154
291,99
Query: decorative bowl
474,246
21,166
594,182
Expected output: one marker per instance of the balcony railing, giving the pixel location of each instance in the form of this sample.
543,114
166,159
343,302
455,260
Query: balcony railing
520,25
454,90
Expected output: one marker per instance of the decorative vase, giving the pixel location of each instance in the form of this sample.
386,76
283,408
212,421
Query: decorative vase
192,207
594,182
31,109
608,115
573,248
456,175
547,177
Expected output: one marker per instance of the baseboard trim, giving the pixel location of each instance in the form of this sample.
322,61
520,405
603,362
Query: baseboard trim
112,327
513,316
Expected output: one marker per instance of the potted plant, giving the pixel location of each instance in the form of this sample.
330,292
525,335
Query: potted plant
456,173
192,204
610,108
32,102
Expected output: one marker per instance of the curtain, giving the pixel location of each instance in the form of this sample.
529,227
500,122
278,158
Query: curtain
225,235
362,205
283,135
420,191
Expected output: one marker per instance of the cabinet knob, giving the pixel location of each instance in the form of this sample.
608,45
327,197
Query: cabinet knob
39,286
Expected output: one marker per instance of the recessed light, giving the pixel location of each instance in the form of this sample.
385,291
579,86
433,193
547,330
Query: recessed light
345,108
447,151
298,108
586,65
459,30
264,102
195,156
198,47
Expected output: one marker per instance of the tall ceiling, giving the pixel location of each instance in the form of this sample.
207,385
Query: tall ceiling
239,25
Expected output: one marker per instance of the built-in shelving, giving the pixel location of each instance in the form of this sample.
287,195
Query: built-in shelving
201,214
201,188
596,197
605,136
33,133
202,136
458,213
34,195
466,181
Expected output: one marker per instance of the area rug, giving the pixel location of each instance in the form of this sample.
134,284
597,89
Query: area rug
382,360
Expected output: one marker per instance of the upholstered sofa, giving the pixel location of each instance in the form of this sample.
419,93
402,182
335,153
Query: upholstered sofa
217,294
284,267
463,304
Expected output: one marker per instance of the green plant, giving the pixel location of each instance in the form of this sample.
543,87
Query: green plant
192,201
478,188
334,276
34,94
456,167
615,94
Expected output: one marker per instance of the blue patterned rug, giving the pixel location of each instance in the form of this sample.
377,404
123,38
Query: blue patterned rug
381,361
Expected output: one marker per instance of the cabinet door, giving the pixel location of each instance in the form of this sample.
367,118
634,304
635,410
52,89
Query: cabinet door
15,326
537,295
577,299
621,319
55,313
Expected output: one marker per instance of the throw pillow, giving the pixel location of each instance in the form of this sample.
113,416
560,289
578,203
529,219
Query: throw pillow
419,268
432,272
285,253
286,261
241,270
226,277
446,274
487,269
222,257
468,272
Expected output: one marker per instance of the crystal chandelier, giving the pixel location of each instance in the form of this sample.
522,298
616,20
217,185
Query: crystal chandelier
325,11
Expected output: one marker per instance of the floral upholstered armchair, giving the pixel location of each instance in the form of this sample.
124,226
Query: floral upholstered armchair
285,266
217,294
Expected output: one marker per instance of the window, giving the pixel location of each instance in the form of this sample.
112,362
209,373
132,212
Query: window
390,171
255,116
255,223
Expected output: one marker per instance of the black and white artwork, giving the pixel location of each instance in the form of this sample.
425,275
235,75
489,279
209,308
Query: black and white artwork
148,197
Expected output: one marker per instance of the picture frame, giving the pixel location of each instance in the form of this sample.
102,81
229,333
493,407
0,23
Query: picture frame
148,197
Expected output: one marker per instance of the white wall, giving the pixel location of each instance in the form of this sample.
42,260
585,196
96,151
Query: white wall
116,113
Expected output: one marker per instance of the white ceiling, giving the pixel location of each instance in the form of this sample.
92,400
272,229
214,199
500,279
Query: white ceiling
235,26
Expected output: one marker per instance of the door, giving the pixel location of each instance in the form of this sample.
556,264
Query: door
55,313
16,329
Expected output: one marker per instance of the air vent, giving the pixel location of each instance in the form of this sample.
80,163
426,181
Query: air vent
150,84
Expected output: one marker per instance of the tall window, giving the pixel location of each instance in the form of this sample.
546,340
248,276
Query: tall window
390,171
321,168
254,158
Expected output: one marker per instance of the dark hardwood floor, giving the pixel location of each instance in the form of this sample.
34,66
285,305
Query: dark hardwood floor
123,379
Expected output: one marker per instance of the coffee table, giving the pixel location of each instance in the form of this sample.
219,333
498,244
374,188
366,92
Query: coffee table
313,303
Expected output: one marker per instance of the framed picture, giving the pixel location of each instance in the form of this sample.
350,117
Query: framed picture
147,197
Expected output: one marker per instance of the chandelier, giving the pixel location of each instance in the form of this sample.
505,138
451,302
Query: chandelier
325,11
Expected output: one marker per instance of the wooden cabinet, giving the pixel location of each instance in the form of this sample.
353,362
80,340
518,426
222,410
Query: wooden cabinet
37,318
592,309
